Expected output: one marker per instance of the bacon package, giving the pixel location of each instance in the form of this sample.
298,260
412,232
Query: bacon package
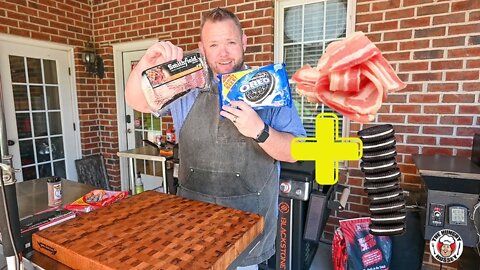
263,87
166,82
352,77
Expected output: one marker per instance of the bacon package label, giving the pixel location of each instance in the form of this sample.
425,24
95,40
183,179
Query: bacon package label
261,88
167,82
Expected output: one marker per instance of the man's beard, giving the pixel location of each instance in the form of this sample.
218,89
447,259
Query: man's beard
239,66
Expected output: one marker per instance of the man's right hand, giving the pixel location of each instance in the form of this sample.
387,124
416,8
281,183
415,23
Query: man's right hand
158,53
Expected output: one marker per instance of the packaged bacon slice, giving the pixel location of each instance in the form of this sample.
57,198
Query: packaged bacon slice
167,82
352,77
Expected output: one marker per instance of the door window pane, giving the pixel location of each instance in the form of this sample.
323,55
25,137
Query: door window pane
20,96
17,69
34,67
37,97
313,26
54,119
40,124
292,58
50,70
24,127
45,170
292,25
336,18
57,148
29,173
43,150
26,152
59,169
53,99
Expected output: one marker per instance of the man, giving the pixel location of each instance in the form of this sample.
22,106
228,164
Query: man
228,158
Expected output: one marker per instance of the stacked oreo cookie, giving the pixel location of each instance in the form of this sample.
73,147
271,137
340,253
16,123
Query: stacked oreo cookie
387,203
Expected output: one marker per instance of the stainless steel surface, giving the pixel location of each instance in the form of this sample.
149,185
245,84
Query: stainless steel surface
145,153
32,195
446,166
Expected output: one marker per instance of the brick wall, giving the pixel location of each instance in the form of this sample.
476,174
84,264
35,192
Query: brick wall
434,46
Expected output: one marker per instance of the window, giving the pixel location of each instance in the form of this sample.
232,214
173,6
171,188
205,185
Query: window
303,29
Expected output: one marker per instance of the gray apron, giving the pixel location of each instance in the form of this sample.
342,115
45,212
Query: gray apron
220,165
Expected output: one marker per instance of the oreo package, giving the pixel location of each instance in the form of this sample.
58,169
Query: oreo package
261,88
166,82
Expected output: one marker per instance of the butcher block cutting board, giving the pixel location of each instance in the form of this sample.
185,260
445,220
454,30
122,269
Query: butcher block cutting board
151,230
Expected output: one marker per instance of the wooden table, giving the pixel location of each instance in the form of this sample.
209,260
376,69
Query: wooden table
145,153
153,230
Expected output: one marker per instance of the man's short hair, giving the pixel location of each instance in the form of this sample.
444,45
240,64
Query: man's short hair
220,14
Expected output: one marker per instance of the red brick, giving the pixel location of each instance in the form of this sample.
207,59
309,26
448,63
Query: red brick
462,75
406,109
464,29
415,23
413,66
393,98
442,87
465,109
385,5
474,16
407,149
448,64
474,40
407,3
424,98
412,87
467,131
465,5
407,168
264,4
398,14
449,42
455,142
432,76
245,7
449,19
414,45
364,28
406,129
466,153
437,151
378,27
398,35
471,86
458,98
412,139
430,32
362,8
412,179
388,118
384,47
397,56
435,130
430,54
432,9
439,109
464,52
422,119
456,120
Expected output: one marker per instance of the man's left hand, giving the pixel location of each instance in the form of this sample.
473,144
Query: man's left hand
244,118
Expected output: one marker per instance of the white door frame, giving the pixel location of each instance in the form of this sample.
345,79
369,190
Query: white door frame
72,79
118,50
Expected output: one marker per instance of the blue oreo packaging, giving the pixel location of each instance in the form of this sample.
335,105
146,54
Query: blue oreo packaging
261,88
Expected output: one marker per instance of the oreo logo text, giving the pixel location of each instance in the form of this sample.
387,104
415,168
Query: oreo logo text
259,86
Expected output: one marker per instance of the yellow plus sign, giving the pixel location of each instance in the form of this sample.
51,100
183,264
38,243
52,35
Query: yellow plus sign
327,148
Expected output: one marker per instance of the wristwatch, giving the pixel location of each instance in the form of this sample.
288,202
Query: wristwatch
263,136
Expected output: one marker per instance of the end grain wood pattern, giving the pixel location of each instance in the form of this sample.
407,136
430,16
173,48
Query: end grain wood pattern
151,230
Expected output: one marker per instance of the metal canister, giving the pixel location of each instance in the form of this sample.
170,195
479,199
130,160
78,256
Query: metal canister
54,191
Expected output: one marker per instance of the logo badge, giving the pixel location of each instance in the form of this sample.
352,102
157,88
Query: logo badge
446,246
283,207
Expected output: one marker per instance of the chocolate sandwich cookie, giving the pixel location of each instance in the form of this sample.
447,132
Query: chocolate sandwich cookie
386,196
263,84
386,176
374,168
383,186
387,230
387,207
391,218
376,133
373,191
379,155
388,143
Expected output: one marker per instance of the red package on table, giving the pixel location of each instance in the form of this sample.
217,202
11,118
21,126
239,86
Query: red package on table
364,250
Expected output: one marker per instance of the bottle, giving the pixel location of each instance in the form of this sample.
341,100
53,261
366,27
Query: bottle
138,184
54,186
